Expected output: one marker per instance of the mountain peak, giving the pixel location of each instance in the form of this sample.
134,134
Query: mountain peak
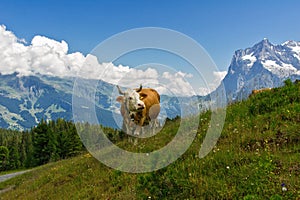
265,40
291,43
263,65
264,44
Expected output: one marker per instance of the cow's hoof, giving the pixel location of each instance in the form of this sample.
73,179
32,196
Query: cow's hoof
137,133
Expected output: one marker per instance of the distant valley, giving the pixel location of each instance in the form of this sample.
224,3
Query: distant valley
25,100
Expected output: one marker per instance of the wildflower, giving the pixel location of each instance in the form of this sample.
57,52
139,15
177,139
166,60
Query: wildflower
88,155
227,167
283,187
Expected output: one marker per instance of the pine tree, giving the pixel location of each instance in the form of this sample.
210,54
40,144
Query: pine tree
29,161
68,141
44,144
22,150
4,156
74,142
14,156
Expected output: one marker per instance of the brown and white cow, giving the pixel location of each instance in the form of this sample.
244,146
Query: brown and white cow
254,92
141,106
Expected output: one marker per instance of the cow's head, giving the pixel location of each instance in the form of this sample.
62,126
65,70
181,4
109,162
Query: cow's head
132,99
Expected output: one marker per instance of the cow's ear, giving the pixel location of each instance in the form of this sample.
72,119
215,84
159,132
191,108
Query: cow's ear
120,99
142,96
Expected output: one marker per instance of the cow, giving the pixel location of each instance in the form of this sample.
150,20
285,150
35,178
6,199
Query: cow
128,123
254,92
141,106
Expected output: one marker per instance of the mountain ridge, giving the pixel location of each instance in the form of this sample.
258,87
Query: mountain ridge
25,100
263,65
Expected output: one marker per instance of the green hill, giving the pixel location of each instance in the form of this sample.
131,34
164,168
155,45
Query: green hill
256,157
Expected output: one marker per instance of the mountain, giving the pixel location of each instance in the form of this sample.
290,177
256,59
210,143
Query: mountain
261,66
25,100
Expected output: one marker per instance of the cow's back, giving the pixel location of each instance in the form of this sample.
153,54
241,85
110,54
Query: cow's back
152,96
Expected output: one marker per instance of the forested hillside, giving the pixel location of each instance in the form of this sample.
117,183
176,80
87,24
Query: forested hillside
47,142
256,157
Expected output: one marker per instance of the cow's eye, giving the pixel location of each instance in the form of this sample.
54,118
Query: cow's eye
130,98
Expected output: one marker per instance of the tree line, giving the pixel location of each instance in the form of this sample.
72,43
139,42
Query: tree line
46,142
51,141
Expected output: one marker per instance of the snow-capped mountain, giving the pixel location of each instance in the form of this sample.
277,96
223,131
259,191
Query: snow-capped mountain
263,65
25,100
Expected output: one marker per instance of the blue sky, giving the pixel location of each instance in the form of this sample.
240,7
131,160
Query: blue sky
221,27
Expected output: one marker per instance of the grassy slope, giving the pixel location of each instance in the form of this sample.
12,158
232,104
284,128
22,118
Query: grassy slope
258,151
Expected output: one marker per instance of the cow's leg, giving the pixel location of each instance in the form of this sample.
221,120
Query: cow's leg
157,123
153,125
126,126
138,129
153,114
127,129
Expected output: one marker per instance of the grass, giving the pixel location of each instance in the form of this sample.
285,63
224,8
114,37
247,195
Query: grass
258,151
82,177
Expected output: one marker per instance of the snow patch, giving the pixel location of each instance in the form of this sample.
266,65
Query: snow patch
295,47
251,58
11,118
284,70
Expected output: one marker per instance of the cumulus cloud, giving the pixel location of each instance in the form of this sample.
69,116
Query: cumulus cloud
50,57
176,83
43,55
218,77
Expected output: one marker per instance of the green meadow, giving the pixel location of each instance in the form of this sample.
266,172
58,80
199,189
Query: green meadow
256,157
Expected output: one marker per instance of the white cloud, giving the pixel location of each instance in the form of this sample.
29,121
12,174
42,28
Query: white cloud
177,84
218,77
50,57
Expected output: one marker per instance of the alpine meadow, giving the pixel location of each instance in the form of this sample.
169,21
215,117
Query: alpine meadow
256,157
149,100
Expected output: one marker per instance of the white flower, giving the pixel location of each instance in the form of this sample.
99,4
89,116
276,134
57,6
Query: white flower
284,189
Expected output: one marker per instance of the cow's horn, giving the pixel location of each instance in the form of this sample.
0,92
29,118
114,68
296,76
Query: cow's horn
120,91
138,90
